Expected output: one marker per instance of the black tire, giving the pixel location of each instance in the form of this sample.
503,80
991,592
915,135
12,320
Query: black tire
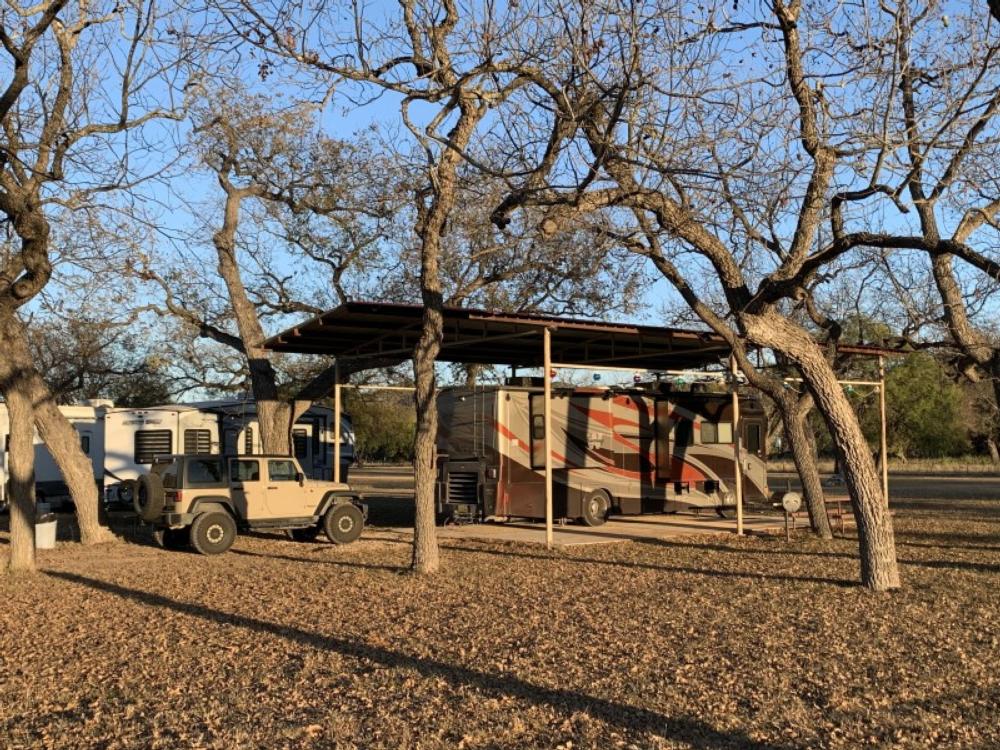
308,534
149,497
172,539
213,533
595,508
343,523
126,492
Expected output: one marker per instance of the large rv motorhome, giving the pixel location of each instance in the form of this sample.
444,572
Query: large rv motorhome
614,450
122,442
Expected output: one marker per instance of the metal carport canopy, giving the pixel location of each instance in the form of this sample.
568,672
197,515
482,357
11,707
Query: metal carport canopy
378,330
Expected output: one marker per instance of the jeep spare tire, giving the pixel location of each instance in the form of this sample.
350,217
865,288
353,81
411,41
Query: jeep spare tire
213,533
343,523
149,497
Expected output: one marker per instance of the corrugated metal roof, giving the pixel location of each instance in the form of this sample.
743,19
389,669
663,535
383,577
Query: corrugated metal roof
383,330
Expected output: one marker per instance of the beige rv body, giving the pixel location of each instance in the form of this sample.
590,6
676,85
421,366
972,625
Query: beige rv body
648,451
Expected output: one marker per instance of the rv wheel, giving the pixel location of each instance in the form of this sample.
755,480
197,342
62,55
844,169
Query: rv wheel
595,508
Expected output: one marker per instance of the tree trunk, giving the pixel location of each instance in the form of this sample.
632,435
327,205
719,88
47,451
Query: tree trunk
61,440
879,569
426,558
794,419
991,445
21,467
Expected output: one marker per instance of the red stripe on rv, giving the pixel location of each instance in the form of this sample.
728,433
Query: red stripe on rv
507,433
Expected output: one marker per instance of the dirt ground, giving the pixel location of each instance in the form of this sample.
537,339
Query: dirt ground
709,643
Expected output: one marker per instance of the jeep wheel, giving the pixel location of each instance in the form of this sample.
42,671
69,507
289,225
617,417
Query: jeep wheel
343,523
307,534
213,533
171,538
149,497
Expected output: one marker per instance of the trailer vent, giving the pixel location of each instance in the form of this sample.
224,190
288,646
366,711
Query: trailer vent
463,487
197,441
152,443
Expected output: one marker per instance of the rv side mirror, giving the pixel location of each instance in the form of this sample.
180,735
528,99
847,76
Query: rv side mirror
300,478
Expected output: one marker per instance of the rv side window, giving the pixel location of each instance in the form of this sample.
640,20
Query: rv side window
538,427
301,440
753,438
152,443
85,444
197,441
716,433
205,471
683,432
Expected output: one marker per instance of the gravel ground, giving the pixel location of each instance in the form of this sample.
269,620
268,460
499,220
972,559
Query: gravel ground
709,643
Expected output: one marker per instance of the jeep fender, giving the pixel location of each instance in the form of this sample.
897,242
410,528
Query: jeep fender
210,503
336,498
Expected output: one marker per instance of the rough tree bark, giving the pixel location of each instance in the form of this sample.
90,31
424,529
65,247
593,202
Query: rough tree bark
879,570
794,418
21,468
62,441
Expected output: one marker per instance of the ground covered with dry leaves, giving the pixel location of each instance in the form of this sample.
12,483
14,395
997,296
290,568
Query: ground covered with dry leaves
708,643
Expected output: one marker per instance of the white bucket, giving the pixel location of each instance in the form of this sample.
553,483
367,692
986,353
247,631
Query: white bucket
45,535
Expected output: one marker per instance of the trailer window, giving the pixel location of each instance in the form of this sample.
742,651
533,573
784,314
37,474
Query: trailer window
85,444
300,439
753,438
152,443
205,472
197,441
712,432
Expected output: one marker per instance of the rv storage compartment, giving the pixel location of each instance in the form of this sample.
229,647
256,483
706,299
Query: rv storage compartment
459,493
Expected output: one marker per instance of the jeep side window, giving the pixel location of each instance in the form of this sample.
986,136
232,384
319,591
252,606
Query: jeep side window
245,471
281,471
204,471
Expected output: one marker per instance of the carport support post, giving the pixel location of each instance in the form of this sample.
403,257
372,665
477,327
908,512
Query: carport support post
738,474
547,437
336,421
884,440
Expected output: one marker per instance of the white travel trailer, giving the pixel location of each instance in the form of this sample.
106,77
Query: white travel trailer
122,442
88,420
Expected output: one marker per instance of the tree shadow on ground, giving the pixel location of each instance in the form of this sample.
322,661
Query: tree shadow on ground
321,561
986,509
960,564
746,575
696,732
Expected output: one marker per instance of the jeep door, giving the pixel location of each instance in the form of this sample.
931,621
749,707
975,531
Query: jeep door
286,497
249,488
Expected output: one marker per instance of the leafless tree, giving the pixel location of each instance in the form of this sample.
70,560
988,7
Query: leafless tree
448,67
714,132
82,76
